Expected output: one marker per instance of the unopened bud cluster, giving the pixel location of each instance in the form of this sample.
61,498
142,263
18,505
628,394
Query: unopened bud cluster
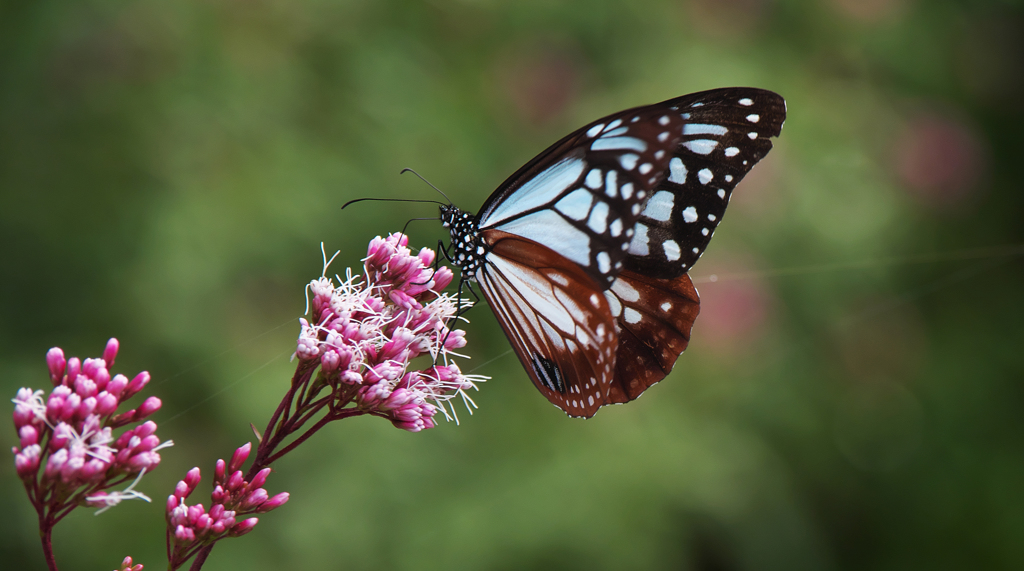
67,446
191,527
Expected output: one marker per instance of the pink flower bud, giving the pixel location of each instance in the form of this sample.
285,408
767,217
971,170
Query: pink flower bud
184,535
145,429
86,408
117,385
397,399
73,369
110,352
351,378
203,523
149,406
238,458
55,403
274,502
71,402
194,512
26,462
402,299
259,479
219,471
329,361
254,499
244,527
218,495
143,460
93,469
217,511
192,479
56,463
106,403
28,435
148,443
442,278
56,363
140,381
236,481
173,500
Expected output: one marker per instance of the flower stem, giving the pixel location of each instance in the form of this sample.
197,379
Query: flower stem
46,533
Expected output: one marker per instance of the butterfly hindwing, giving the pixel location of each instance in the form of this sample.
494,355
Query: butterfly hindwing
653,318
557,319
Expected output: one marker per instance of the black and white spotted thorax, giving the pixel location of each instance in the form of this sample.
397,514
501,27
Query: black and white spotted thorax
467,246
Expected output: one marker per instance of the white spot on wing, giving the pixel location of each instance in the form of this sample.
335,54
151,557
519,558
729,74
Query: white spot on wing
631,315
638,247
672,251
689,214
659,207
676,171
604,262
617,143
701,129
732,152
701,146
746,102
753,117
645,168
705,176
593,179
616,227
721,192
628,161
625,291
593,131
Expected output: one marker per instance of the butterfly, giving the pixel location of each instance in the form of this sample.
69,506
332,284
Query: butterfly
583,253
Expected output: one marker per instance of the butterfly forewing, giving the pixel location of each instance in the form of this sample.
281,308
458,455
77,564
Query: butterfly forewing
727,131
583,196
557,319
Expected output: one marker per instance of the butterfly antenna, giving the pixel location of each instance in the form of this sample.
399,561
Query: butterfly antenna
405,170
392,200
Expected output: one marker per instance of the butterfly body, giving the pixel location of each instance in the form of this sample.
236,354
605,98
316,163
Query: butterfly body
583,253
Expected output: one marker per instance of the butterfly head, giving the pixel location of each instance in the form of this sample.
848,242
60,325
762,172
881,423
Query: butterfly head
467,246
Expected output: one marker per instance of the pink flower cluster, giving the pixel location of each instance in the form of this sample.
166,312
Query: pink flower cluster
189,528
365,331
70,434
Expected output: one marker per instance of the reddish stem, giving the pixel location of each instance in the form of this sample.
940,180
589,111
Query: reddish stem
283,423
46,534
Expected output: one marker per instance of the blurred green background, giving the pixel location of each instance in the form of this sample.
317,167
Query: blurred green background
852,396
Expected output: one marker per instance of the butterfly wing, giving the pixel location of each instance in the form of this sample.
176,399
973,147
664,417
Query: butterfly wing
727,131
583,195
653,318
556,318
